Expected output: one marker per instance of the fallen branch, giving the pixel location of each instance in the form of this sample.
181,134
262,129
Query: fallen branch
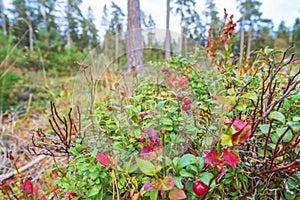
21,169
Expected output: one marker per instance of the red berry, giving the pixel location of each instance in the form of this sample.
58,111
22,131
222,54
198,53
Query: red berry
143,115
173,95
72,195
187,100
180,96
186,107
165,69
199,188
142,139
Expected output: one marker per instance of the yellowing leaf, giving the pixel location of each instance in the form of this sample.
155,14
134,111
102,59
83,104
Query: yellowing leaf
250,95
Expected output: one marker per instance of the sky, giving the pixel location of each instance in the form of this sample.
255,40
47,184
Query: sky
277,10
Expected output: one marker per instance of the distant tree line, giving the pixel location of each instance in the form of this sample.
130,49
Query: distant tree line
51,34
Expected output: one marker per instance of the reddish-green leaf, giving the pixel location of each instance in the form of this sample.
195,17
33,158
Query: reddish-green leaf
177,194
167,183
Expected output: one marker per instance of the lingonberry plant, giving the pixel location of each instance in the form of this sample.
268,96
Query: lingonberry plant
182,135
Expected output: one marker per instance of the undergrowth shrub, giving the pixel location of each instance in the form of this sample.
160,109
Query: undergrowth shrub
227,131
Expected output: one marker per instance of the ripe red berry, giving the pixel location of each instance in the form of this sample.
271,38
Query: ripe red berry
173,95
180,96
199,188
72,195
186,107
165,69
143,115
142,139
187,100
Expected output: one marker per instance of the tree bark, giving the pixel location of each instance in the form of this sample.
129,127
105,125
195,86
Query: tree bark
168,37
134,51
69,38
249,42
117,41
30,31
4,30
242,36
185,45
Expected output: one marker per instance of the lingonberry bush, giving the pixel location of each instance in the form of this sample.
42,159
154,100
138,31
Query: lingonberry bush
225,130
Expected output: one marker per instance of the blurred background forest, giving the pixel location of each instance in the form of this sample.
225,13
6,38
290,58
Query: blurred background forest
40,40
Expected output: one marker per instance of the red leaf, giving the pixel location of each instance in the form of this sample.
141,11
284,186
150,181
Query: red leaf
36,189
43,197
213,158
27,187
230,158
103,159
147,151
152,134
54,175
237,123
154,139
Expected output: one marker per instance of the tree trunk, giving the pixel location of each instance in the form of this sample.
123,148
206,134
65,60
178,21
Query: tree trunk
30,31
134,51
180,41
117,41
69,38
249,42
168,37
4,30
185,42
242,36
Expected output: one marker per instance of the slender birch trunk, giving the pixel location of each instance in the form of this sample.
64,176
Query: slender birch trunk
168,37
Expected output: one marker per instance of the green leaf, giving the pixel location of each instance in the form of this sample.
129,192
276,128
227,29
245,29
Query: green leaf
287,137
161,104
264,128
147,167
294,125
153,194
74,151
185,173
200,163
192,169
167,121
276,52
187,159
277,116
291,195
241,107
250,95
206,177
178,182
296,119
94,191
